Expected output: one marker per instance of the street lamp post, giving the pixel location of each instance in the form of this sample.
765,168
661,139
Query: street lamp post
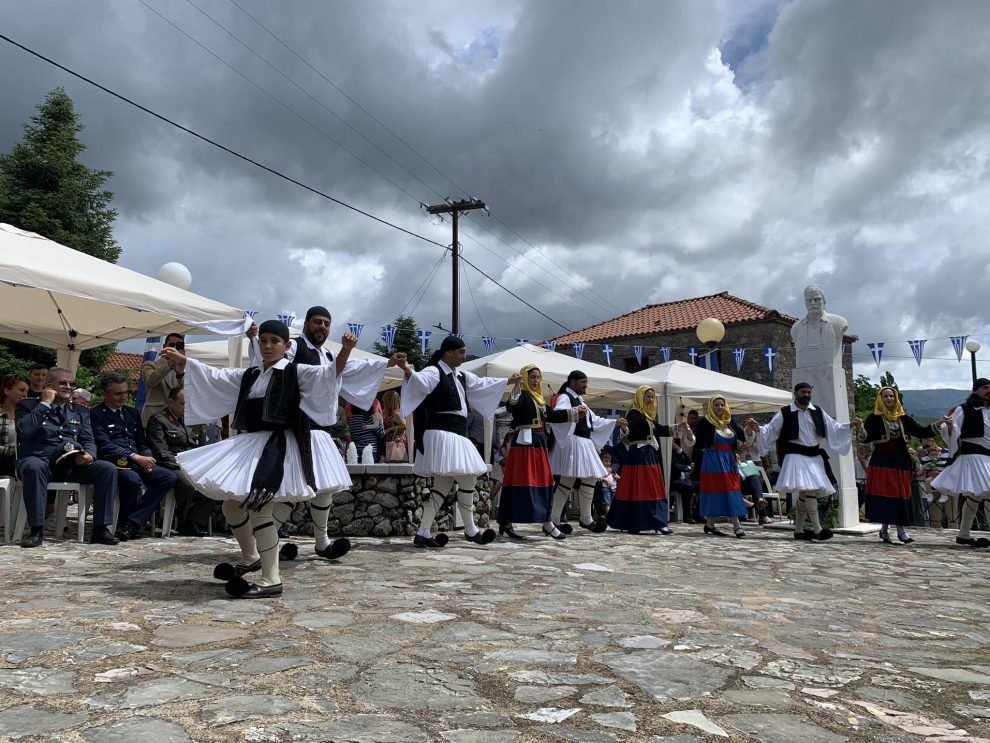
710,331
973,346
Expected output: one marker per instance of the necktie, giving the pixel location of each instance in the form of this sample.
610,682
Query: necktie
60,414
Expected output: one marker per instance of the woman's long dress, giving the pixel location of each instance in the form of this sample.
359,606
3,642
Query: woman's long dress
719,489
640,502
891,469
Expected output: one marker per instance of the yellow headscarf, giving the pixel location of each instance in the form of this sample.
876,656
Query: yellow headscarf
714,419
533,392
639,403
880,409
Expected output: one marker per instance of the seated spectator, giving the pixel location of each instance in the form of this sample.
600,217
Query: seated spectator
55,443
160,379
681,483
167,436
751,485
396,442
82,397
37,375
12,391
367,428
606,487
120,440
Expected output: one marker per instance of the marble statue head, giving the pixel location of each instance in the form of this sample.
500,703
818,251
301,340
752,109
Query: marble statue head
814,301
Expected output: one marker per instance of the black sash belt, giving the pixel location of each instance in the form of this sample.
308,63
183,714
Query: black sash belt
968,447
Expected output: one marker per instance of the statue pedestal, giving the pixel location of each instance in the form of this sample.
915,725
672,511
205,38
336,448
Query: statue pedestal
830,395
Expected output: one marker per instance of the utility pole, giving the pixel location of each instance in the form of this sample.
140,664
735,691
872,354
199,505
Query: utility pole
454,208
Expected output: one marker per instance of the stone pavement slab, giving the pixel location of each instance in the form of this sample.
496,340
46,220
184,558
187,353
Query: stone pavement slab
595,639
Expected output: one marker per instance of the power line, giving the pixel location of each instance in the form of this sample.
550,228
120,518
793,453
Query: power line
474,302
429,277
267,169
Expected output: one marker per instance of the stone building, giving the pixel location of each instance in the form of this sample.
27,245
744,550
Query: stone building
672,324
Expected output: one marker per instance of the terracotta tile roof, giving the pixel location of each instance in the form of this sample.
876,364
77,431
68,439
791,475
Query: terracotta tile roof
684,314
121,360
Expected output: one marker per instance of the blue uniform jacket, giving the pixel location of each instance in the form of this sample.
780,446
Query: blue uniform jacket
118,436
39,432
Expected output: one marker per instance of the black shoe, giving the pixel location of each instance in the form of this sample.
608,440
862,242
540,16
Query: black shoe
823,535
289,551
134,530
419,541
558,536
904,538
336,549
482,537
191,529
596,527
983,543
226,572
120,535
885,538
261,592
102,535
714,530
34,539
739,533
967,541
564,528
800,536
507,530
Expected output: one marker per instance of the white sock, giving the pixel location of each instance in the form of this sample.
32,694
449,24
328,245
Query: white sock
586,494
550,529
560,495
239,522
465,505
319,511
266,537
424,532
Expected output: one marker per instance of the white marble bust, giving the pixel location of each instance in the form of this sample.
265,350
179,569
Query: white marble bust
818,337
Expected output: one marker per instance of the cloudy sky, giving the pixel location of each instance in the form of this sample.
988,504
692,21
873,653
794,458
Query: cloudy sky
629,152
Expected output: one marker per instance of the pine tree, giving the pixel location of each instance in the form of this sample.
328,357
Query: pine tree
406,341
45,189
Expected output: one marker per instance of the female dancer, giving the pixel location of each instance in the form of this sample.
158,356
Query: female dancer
889,473
640,502
527,482
717,437
275,458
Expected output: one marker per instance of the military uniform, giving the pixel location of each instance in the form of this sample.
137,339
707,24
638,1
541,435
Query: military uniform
167,436
44,430
159,381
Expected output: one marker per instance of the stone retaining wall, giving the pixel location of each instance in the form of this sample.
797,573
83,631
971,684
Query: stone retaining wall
385,500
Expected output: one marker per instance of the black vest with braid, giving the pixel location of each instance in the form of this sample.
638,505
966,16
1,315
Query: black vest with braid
582,429
972,423
439,409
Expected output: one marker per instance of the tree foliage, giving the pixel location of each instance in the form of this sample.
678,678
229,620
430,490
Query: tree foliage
865,392
406,341
45,189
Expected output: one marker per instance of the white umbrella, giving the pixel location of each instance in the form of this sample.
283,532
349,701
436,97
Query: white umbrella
60,298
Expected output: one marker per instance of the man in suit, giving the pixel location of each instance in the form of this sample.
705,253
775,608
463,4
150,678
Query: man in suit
168,435
55,442
160,379
120,440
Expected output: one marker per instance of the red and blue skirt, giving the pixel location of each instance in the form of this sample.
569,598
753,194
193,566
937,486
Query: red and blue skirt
527,482
640,502
719,482
888,484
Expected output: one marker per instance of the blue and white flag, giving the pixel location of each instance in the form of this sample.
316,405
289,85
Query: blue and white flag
607,350
251,313
459,336
152,345
709,360
665,352
489,341
424,338
638,353
550,345
877,350
693,353
918,349
770,352
287,319
959,345
388,334
355,328
578,350
520,341
739,354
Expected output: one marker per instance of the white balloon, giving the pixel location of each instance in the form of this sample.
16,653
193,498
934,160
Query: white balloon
175,274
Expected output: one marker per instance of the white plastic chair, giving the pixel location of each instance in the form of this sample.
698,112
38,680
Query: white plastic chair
8,493
62,492
167,517
768,491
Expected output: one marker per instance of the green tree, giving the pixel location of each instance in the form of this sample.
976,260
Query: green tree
864,395
45,189
406,341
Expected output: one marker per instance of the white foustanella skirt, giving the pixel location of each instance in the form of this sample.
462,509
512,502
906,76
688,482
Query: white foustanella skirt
801,473
223,470
968,475
446,453
575,456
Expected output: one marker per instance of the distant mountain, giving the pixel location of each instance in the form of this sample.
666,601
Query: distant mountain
931,404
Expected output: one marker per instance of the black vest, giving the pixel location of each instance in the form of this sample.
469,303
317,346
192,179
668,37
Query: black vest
439,410
306,355
972,424
791,430
581,428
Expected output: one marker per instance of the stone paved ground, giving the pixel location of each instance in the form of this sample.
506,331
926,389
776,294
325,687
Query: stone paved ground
598,638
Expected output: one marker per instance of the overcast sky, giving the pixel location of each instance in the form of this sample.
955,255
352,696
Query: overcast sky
630,153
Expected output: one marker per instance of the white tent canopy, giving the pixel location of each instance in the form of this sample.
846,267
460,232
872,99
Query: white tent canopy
692,386
60,298
607,387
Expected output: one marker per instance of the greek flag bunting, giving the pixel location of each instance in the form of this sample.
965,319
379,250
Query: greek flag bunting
489,341
251,313
739,354
959,345
287,319
520,341
458,335
550,345
424,338
638,353
693,353
607,350
579,350
388,335
877,350
665,352
918,349
355,328
770,352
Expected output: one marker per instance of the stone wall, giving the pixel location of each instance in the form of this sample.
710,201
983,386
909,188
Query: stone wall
384,504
